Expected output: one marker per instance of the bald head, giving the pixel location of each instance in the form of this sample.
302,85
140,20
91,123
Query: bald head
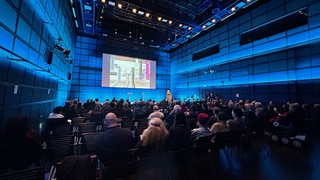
111,120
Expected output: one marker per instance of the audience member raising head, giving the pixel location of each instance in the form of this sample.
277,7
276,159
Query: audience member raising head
113,144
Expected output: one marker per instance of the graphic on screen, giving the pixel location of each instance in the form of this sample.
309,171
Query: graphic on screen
128,72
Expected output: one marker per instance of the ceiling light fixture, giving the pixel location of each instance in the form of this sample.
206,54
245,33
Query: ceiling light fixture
134,10
111,3
120,6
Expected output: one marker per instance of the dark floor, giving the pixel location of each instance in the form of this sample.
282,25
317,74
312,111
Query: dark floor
260,159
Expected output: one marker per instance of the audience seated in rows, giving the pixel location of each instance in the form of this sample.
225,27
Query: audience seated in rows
173,132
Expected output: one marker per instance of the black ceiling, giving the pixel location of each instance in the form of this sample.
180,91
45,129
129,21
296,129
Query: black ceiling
104,19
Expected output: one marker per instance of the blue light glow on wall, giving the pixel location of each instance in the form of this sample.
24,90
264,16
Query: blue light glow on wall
278,58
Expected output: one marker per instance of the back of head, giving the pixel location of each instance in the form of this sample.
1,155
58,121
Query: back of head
222,116
155,133
202,118
238,112
181,118
216,110
57,109
111,120
176,108
155,108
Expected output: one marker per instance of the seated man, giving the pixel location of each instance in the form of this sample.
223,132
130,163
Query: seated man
113,144
202,130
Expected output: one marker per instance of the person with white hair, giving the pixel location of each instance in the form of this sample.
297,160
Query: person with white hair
171,119
156,113
153,139
112,145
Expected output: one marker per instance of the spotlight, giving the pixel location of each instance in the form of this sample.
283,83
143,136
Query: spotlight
63,50
66,52
59,47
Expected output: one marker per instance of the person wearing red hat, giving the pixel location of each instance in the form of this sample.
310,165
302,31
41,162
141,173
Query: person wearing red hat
202,130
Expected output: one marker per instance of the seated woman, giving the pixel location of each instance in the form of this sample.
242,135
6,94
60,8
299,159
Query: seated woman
20,146
220,125
154,138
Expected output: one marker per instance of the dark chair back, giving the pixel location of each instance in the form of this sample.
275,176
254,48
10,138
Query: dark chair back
61,146
228,139
123,170
75,167
77,120
202,145
87,127
87,142
27,174
57,126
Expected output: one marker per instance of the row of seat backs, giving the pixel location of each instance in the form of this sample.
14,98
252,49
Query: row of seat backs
36,173
59,147
60,127
127,168
221,140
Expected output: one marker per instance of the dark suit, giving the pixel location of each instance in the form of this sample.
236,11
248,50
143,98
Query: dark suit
113,144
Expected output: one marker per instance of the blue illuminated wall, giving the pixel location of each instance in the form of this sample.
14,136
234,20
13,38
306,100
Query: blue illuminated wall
26,31
276,67
87,71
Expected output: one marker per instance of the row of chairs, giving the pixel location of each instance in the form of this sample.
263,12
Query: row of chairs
225,141
169,164
36,173
80,150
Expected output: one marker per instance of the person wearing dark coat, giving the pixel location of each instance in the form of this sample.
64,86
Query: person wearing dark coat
113,145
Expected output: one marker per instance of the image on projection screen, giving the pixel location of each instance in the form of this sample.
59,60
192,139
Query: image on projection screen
128,72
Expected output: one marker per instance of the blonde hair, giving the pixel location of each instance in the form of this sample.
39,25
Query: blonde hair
155,133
